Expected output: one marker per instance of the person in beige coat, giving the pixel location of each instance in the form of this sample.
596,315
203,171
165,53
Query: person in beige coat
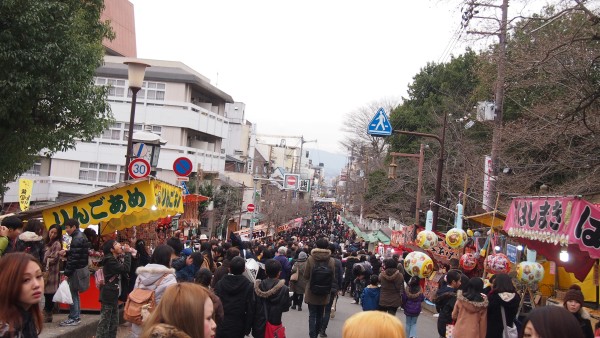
470,311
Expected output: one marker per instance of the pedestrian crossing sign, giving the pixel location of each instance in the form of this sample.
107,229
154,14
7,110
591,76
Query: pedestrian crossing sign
380,124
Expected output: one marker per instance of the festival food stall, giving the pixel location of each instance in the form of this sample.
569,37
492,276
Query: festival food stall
566,231
124,211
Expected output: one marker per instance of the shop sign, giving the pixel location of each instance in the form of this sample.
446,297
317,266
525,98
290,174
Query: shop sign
25,189
566,220
511,253
136,200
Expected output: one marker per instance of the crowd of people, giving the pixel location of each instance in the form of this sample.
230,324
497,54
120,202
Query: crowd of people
307,267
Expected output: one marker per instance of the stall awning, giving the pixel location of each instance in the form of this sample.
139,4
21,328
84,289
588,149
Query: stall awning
117,207
382,237
494,219
548,224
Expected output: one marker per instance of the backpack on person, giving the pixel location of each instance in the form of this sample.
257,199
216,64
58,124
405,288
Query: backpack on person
140,303
99,277
321,279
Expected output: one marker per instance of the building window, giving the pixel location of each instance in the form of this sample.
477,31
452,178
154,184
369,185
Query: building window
150,91
35,169
157,130
155,91
88,171
99,172
136,127
118,87
114,132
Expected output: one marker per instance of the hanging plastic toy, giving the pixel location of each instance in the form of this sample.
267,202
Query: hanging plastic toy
530,271
456,238
427,239
468,261
418,264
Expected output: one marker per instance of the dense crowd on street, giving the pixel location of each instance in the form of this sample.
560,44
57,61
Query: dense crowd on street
240,287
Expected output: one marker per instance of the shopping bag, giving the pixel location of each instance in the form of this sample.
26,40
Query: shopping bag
274,331
63,294
449,330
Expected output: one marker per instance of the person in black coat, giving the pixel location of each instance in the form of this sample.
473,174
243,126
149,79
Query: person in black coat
573,302
236,293
445,298
502,295
113,268
272,298
77,260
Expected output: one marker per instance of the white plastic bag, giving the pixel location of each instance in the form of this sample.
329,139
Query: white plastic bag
63,294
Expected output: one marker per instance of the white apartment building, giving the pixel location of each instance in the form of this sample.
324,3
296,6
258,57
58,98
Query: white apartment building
176,103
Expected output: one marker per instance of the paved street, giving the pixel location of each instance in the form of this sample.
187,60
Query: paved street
296,323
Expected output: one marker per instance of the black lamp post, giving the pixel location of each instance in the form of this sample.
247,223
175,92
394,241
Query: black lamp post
136,72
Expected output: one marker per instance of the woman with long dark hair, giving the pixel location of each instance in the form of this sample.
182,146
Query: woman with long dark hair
51,265
550,322
470,311
22,289
503,295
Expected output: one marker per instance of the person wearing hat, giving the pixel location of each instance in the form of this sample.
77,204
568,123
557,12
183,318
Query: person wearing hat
203,238
573,302
298,284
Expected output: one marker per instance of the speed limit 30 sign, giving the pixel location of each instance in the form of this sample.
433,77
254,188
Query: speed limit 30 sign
139,168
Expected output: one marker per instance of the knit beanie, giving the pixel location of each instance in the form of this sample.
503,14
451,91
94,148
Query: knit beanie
302,255
574,293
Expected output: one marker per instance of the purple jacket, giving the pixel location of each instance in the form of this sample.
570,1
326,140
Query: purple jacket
286,267
412,302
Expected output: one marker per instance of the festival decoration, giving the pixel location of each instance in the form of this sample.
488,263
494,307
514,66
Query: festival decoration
530,272
418,264
497,263
468,261
427,238
457,238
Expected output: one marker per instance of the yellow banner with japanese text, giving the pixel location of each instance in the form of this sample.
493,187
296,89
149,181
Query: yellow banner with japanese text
124,207
25,189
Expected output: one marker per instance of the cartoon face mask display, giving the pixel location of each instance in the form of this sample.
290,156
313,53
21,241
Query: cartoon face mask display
468,261
530,272
497,263
426,239
456,238
418,264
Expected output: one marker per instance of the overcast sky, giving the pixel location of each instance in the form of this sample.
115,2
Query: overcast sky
299,66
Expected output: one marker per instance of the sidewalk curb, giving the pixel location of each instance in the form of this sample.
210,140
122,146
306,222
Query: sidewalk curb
87,328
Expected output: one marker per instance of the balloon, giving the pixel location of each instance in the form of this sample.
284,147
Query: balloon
456,238
468,261
418,264
530,272
426,239
497,263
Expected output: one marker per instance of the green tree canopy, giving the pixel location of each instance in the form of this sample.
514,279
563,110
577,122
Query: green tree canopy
49,53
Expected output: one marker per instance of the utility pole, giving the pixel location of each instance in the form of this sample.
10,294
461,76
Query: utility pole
421,157
499,94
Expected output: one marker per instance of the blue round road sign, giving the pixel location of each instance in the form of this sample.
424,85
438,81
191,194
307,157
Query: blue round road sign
182,166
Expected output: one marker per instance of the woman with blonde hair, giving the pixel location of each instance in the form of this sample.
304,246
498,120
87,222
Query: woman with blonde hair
373,324
178,314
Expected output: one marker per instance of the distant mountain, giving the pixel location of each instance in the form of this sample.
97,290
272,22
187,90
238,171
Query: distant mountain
332,162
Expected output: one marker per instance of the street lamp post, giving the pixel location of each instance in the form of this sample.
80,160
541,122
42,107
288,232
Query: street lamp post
440,167
254,210
136,72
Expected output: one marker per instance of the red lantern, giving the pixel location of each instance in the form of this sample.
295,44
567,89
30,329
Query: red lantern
468,262
497,263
